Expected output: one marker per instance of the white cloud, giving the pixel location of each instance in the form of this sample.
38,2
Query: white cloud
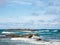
19,2
49,7
32,19
46,14
22,2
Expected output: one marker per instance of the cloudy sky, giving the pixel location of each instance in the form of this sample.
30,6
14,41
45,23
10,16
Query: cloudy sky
35,14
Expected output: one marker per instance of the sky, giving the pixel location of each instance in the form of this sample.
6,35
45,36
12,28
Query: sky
33,14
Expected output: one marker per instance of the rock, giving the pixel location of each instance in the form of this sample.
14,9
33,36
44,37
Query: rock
38,39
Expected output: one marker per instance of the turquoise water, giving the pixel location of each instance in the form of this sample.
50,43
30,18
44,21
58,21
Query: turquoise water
16,43
46,34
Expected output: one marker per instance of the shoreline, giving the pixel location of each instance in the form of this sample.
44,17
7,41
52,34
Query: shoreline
33,41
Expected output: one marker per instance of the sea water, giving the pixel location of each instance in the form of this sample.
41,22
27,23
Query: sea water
45,34
16,43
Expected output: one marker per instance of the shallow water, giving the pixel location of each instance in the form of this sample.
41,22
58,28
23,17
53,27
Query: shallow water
16,43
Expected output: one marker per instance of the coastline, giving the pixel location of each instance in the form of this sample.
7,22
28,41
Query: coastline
12,37
32,41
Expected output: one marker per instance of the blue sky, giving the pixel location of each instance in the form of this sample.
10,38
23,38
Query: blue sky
35,14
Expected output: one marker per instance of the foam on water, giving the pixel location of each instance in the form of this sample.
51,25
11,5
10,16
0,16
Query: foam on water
53,36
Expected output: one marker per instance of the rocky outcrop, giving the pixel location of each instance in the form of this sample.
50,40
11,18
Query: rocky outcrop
33,36
12,35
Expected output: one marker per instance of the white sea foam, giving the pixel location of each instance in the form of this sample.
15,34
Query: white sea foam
7,32
32,41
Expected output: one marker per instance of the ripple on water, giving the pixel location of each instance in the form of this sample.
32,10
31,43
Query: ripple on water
15,43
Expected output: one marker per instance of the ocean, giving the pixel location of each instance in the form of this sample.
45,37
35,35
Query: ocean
45,34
